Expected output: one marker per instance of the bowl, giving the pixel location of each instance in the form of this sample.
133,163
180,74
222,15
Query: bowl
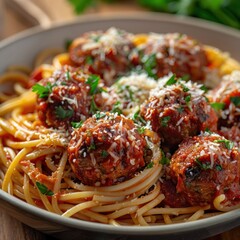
22,48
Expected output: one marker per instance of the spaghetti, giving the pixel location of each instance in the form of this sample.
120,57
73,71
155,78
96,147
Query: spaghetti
34,155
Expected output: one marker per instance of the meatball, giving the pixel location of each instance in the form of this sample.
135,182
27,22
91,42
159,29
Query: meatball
103,53
175,53
108,149
177,110
226,100
206,166
67,96
128,93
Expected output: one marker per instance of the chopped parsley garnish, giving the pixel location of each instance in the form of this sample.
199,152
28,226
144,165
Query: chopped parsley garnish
93,81
117,108
42,91
180,109
228,144
95,38
218,167
126,89
149,64
203,165
208,130
204,88
99,115
141,130
185,88
104,153
164,160
217,106
62,113
172,80
92,147
150,165
165,120
77,124
188,98
93,107
89,60
235,101
68,76
185,77
137,118
43,189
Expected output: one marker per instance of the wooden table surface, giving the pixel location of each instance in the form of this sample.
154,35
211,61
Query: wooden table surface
11,23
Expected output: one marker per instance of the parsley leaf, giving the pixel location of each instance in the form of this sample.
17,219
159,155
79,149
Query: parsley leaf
188,98
217,105
104,154
89,60
68,43
99,115
203,165
42,91
218,167
149,63
228,144
150,165
117,108
43,189
77,124
165,120
185,88
164,160
93,107
204,88
172,80
137,118
235,101
61,113
68,76
93,81
141,130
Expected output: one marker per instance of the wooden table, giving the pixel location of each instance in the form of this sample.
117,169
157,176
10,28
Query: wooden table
11,229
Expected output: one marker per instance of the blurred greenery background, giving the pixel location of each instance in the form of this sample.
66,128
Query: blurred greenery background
226,12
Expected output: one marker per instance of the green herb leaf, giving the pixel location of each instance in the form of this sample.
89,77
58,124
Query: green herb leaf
227,143
172,80
218,167
68,76
42,91
164,160
141,130
185,88
203,165
93,107
165,120
92,147
77,124
204,88
43,189
149,65
117,108
81,5
104,154
61,113
89,60
235,101
188,98
217,105
137,118
99,115
180,109
93,81
150,165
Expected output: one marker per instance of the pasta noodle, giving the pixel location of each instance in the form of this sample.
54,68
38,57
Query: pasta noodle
34,163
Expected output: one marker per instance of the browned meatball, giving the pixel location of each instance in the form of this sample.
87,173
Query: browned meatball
226,100
177,111
171,53
206,166
103,53
107,149
67,96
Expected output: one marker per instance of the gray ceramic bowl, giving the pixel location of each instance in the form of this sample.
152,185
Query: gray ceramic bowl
22,48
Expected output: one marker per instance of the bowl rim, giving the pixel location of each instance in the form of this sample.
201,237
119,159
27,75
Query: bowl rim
105,228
